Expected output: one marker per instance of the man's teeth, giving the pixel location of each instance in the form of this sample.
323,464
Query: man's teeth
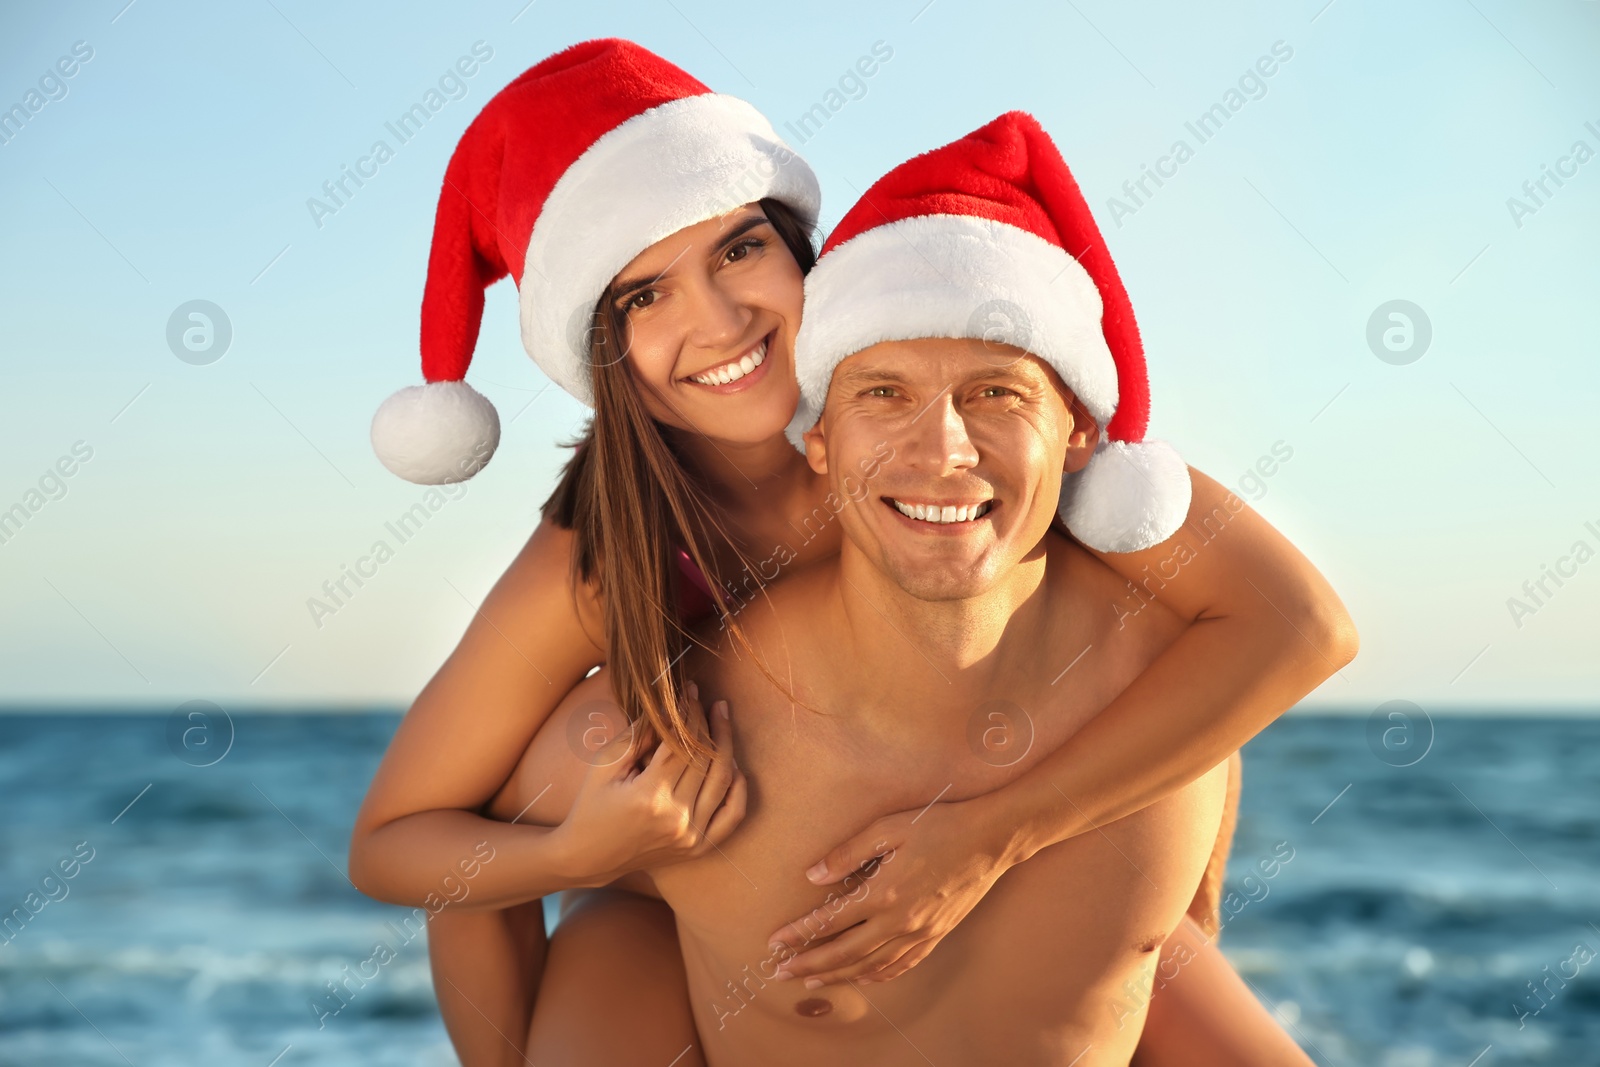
733,371
947,513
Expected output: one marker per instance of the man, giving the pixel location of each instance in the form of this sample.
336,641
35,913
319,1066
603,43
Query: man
892,650
876,677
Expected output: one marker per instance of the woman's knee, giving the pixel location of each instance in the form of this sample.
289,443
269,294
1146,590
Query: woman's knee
586,717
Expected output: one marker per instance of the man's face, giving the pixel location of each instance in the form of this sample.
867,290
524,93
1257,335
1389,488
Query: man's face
980,434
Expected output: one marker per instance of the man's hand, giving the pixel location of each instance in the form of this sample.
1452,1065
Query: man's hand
630,817
936,865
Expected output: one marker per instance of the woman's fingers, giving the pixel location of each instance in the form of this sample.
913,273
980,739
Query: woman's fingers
731,813
914,954
669,765
870,968
693,805
694,774
846,956
618,758
719,775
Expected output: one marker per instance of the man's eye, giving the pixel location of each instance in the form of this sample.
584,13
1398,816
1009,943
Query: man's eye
996,390
881,390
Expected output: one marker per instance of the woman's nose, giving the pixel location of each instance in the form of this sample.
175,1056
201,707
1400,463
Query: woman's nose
720,318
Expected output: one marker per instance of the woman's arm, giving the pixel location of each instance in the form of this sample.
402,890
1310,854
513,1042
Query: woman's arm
1266,630
524,649
419,838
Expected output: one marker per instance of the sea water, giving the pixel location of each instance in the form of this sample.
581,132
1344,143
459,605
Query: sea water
1431,909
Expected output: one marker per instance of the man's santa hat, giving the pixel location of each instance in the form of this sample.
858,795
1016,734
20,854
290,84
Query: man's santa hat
990,238
577,166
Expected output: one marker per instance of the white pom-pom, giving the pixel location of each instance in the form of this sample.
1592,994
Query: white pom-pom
1129,497
437,433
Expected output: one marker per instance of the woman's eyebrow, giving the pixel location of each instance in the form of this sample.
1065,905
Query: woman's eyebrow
626,287
739,230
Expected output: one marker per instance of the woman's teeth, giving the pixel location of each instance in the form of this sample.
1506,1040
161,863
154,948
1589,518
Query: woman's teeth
732,372
947,513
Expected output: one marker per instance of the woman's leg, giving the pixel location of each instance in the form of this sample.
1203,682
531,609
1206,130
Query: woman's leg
1206,908
486,968
614,989
609,987
1202,1014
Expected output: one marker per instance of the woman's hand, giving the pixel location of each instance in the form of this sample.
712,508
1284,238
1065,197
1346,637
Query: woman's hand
933,866
630,817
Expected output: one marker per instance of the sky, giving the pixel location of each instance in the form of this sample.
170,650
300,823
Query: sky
1350,271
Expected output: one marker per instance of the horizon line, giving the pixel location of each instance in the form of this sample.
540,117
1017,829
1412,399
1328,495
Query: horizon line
346,708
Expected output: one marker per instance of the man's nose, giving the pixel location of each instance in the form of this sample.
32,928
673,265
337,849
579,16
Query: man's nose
940,442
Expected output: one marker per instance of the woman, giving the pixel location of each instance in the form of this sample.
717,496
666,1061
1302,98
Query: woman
684,450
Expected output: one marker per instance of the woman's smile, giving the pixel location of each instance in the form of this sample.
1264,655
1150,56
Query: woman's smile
736,375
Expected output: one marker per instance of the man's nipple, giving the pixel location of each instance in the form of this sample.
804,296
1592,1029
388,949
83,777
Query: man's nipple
811,1007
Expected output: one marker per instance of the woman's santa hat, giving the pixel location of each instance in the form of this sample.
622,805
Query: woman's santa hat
577,166
990,238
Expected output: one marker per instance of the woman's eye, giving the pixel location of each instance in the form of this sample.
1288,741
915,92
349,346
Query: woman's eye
744,248
642,299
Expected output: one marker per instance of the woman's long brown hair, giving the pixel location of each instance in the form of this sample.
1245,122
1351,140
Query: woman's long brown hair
631,502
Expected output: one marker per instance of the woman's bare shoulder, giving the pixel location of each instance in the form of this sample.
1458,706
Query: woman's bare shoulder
542,583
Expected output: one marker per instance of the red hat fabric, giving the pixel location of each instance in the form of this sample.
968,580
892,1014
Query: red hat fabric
570,171
989,237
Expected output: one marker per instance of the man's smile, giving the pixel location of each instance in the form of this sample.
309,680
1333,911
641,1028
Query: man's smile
941,512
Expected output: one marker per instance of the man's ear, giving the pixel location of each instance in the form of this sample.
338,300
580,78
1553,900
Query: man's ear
1081,440
816,442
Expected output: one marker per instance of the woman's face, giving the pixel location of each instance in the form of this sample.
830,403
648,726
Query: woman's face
711,317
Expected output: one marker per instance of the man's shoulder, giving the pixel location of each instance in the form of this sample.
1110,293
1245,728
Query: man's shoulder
766,629
1078,582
